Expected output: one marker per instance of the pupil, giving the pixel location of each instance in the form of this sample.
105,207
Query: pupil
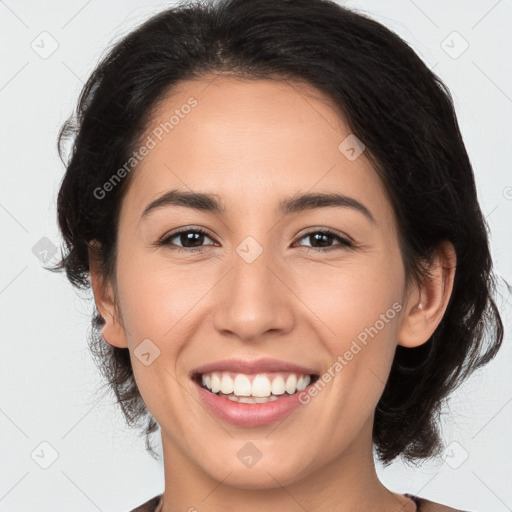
191,237
197,238
317,236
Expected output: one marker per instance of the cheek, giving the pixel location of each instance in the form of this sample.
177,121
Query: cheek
351,297
359,307
156,296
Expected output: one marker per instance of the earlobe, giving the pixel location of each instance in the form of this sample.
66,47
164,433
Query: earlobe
426,306
112,331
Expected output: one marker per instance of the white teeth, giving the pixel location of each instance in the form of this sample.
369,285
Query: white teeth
241,385
260,386
251,399
215,383
291,384
303,382
256,399
226,384
259,390
278,386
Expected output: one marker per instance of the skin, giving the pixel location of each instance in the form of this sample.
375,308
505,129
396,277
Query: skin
254,143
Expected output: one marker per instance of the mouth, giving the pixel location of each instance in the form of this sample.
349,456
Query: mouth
253,393
255,388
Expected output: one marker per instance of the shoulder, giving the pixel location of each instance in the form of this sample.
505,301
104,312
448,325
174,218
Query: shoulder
425,505
152,505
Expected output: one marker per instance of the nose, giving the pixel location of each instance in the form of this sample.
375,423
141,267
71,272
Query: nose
255,300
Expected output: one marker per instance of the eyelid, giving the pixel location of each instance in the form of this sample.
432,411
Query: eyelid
345,242
320,229
184,229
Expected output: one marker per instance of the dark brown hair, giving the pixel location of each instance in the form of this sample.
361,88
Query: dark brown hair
388,97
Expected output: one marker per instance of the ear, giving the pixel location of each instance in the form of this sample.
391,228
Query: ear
113,331
426,305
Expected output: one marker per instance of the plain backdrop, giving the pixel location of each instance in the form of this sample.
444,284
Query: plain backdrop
64,445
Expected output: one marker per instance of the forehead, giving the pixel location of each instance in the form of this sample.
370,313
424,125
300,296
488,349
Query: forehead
251,142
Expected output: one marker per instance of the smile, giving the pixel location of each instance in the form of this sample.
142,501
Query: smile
251,400
256,388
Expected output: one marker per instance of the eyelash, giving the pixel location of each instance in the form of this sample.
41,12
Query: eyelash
165,241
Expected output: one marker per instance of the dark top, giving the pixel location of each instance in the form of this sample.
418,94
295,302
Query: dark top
422,504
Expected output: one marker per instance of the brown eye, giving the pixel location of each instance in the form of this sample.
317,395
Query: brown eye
190,240
321,240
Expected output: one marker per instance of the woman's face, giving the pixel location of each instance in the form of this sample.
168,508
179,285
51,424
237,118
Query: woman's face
259,286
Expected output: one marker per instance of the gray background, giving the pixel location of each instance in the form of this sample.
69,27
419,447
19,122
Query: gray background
48,382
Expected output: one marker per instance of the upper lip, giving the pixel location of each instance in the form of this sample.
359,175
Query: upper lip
256,366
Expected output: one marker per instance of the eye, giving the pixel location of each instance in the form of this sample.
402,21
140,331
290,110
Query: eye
325,237
191,240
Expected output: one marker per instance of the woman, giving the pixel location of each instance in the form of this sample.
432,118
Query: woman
273,205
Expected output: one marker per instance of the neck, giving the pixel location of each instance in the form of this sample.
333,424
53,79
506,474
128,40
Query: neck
346,483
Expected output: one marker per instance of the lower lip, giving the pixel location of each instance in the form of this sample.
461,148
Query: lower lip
249,415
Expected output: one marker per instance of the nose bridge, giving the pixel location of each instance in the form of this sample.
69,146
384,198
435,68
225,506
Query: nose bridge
254,300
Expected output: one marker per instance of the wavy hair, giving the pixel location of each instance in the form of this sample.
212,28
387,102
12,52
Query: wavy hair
389,98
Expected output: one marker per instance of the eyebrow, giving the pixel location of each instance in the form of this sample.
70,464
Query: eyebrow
211,203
